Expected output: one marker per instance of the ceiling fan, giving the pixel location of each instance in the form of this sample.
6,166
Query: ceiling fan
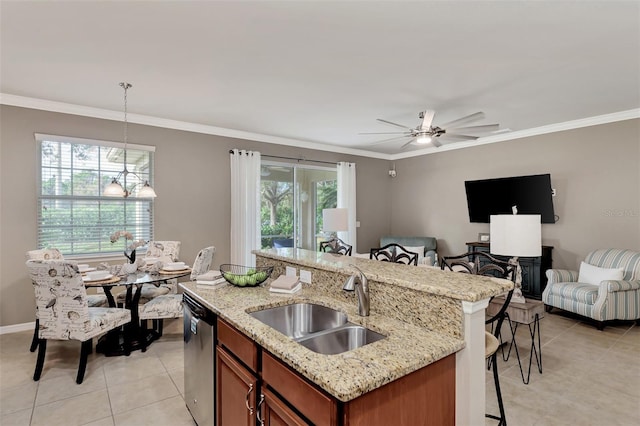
427,133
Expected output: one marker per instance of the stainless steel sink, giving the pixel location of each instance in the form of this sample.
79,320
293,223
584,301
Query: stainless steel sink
301,319
318,328
340,340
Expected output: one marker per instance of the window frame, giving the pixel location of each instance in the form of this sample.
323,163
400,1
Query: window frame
107,249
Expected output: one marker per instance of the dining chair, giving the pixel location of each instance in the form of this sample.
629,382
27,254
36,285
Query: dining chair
481,263
64,313
203,262
336,246
166,251
394,253
94,300
168,306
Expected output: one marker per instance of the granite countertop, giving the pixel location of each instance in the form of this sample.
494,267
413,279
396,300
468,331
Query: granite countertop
464,287
346,376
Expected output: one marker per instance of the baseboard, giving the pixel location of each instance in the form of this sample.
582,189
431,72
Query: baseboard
15,328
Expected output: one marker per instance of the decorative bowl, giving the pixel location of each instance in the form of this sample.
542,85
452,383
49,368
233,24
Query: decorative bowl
245,276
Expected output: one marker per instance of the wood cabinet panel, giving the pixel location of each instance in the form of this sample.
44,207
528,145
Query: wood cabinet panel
238,344
318,407
236,390
274,412
425,397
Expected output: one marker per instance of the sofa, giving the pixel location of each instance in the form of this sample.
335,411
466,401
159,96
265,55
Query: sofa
607,287
428,256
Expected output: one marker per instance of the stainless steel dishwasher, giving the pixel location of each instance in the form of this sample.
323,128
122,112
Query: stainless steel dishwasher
199,361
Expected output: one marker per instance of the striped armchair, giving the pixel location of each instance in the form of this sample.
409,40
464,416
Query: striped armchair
609,300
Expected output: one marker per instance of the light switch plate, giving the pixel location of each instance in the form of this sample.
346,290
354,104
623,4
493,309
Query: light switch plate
291,272
305,276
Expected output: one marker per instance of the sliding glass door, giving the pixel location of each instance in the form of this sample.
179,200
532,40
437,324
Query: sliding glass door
293,197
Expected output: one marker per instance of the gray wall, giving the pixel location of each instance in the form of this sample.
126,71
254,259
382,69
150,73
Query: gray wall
192,181
595,170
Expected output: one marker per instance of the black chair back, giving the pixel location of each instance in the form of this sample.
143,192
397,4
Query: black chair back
394,253
481,263
336,246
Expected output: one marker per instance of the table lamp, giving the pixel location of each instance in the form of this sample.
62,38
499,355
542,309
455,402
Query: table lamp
516,235
334,221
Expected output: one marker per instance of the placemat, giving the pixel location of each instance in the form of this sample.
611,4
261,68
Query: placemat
179,271
111,280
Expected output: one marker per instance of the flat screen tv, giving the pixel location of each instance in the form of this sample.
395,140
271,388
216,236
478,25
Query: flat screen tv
531,195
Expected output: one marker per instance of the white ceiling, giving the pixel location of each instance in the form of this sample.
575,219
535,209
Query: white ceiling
322,71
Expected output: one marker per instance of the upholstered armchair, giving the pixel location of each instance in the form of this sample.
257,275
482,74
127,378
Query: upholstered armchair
607,287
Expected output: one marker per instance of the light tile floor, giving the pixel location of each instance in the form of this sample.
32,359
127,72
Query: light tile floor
589,377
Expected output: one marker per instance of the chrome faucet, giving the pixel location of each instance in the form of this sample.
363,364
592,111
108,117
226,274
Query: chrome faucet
360,284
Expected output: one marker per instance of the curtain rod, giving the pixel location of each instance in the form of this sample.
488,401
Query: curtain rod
301,159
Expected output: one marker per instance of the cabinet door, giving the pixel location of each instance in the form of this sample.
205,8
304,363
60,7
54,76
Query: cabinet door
274,412
236,390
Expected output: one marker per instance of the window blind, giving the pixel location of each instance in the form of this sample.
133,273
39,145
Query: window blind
73,216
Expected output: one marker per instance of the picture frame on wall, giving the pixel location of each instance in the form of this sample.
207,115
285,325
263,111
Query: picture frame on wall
483,237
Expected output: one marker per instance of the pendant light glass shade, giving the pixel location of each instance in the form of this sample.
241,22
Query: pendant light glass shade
114,189
147,191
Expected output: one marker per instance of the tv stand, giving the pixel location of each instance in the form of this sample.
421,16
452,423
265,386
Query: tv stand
534,269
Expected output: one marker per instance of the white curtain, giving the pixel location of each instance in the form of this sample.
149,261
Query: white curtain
245,206
347,199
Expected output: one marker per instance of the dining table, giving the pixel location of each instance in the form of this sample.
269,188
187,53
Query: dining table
114,342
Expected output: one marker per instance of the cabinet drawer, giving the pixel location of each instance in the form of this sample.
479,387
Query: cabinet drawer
312,403
238,344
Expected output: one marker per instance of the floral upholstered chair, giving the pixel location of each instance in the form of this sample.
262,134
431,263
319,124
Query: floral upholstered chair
93,300
607,287
203,262
64,313
170,305
165,251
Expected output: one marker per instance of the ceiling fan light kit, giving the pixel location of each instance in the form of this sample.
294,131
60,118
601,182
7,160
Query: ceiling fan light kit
426,133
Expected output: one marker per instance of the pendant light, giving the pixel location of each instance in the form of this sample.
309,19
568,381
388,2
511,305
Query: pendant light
115,188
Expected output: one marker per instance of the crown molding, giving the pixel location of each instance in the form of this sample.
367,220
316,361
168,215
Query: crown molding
65,108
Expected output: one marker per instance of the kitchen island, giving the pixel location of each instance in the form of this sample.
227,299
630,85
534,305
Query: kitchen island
423,312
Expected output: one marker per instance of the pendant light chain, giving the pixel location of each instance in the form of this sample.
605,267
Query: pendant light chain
126,86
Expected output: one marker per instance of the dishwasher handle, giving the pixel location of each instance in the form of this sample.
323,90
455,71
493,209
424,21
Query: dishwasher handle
197,310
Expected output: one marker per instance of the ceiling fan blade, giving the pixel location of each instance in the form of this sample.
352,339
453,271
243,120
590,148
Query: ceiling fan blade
408,143
436,143
460,137
387,140
427,119
472,129
394,124
473,117
382,133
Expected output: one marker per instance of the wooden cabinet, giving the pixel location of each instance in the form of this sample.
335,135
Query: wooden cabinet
275,412
236,390
425,397
236,377
534,277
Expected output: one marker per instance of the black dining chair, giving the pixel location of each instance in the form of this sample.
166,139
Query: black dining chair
336,246
394,253
481,263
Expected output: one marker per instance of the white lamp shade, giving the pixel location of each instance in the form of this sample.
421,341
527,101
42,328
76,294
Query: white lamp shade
114,189
147,191
335,220
518,235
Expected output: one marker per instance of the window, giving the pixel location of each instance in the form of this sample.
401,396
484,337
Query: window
292,200
73,215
